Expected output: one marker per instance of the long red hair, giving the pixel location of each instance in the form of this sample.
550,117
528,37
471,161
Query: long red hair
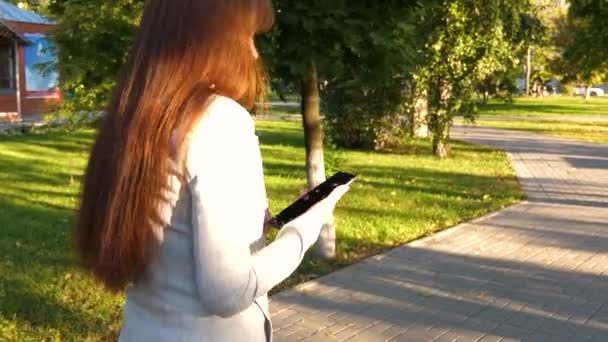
184,52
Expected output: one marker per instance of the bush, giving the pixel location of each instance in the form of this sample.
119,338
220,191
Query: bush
366,117
568,89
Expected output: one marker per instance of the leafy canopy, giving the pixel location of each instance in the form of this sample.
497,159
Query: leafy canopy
467,40
94,38
586,40
367,39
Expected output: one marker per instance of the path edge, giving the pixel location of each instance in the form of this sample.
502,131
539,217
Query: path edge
417,242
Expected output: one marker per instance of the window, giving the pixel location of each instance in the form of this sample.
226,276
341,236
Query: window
7,66
40,66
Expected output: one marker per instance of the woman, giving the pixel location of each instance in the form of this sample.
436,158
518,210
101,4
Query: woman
173,205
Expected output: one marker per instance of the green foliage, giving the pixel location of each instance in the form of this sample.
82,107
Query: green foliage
544,49
465,41
39,6
363,116
584,39
361,49
335,160
501,85
590,38
366,104
94,38
336,36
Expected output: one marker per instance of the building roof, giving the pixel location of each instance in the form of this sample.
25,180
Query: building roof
7,31
10,12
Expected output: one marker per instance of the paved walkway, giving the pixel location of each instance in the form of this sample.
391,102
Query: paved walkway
537,271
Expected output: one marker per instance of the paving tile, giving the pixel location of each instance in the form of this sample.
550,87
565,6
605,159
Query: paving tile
420,333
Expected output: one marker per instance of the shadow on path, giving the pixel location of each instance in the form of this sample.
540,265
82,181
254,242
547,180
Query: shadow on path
536,271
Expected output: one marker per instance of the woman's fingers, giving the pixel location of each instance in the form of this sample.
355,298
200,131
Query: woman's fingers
338,192
329,203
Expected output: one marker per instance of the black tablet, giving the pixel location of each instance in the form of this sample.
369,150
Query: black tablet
311,198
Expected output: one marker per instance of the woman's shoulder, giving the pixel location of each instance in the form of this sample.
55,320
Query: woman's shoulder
223,118
222,126
225,111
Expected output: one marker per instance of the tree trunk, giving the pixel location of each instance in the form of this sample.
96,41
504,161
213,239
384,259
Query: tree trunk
528,71
441,147
588,93
315,166
420,127
442,122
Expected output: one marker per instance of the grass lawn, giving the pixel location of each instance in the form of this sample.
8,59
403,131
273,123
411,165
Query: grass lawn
398,197
282,109
592,131
579,120
547,106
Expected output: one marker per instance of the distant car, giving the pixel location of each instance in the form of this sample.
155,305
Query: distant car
582,91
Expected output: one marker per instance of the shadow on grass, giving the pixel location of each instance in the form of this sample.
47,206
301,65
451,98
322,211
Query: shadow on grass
284,136
36,216
36,256
69,142
43,312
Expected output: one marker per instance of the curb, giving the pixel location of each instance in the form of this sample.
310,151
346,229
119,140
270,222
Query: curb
422,240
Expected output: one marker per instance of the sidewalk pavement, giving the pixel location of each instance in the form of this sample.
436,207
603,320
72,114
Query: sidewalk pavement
536,271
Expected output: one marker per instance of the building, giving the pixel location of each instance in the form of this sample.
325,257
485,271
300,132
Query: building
28,76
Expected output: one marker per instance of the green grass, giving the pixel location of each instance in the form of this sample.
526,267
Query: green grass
591,131
273,96
42,295
398,197
579,118
547,106
279,110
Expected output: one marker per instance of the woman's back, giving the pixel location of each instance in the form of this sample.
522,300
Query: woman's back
168,295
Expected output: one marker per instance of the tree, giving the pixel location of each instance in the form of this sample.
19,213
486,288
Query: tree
420,112
326,42
298,64
543,49
366,102
93,38
465,41
36,5
591,35
584,39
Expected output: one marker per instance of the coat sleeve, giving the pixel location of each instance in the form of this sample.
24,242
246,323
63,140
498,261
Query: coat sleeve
224,177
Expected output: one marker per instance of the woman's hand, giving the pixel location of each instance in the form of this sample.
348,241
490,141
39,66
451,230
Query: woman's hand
268,215
310,223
